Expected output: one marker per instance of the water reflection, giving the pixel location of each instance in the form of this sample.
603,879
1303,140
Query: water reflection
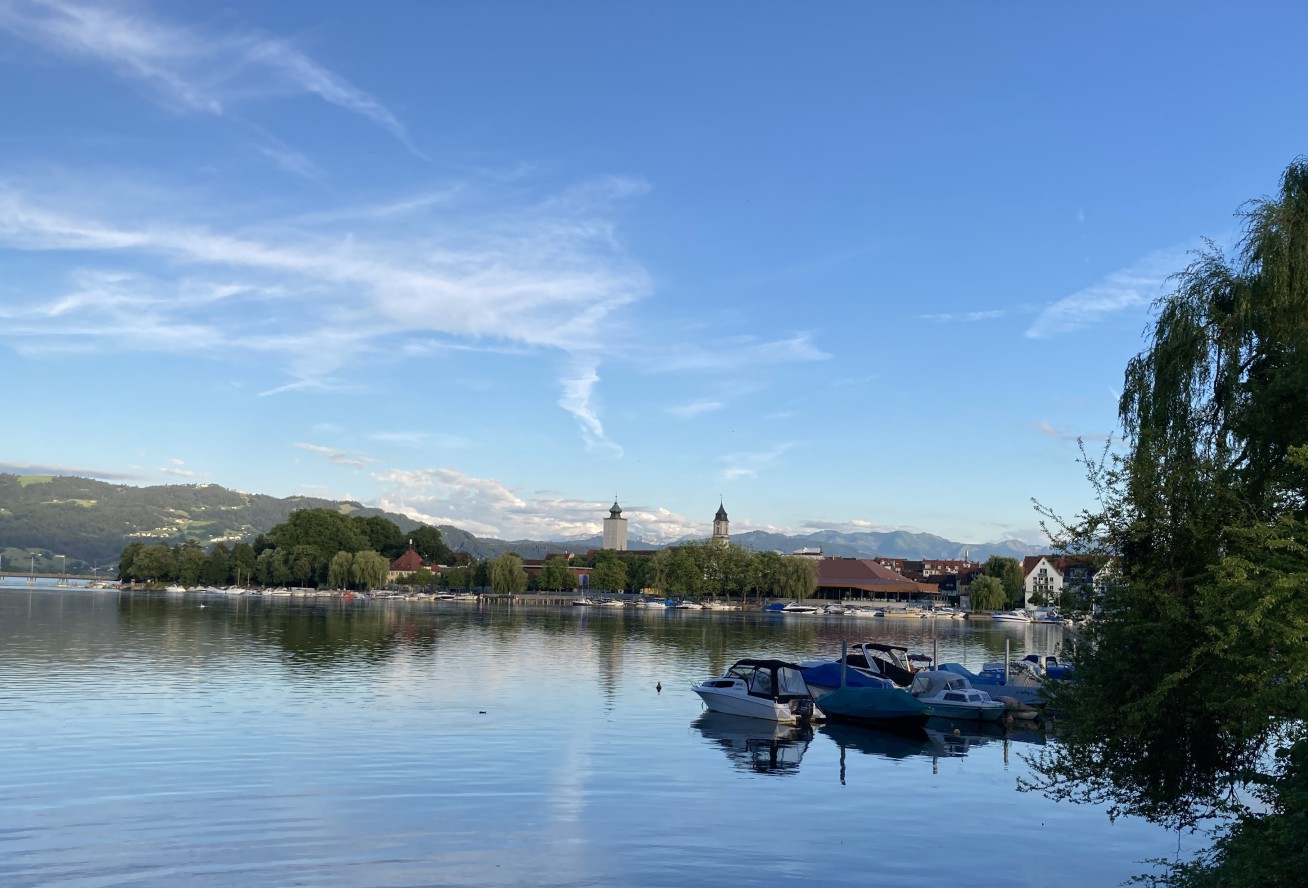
755,745
941,738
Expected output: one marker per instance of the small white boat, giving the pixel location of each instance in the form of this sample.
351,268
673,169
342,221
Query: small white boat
797,608
688,605
610,602
1013,616
768,689
718,606
582,602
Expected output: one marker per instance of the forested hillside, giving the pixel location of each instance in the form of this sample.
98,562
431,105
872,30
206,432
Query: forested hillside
90,522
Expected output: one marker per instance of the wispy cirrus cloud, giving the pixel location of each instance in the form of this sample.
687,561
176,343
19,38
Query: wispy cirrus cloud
1135,286
352,458
1047,429
177,468
736,353
970,317
198,70
748,464
694,408
509,272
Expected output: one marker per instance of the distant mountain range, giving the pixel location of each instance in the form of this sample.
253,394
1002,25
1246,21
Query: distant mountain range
90,522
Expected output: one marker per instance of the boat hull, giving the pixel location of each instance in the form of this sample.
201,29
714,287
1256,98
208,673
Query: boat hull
874,706
749,707
988,712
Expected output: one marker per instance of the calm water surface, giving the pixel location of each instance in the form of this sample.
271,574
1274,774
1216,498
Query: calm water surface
147,740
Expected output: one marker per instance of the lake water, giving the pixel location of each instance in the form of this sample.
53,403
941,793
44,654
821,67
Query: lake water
148,741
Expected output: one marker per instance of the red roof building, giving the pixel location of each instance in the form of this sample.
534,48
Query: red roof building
845,578
406,563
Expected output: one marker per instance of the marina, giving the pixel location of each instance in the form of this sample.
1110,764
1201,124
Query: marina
260,740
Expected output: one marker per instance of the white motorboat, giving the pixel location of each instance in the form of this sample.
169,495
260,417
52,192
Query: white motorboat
611,602
1013,616
768,689
582,602
688,606
719,606
797,608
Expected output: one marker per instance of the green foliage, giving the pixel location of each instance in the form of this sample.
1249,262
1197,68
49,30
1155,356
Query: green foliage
1008,571
422,578
369,569
481,574
127,559
554,576
796,578
340,570
428,543
156,563
381,535
190,563
610,572
217,570
1269,850
987,593
507,576
324,531
1193,682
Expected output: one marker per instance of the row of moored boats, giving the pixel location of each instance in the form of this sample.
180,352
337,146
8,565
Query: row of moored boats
879,684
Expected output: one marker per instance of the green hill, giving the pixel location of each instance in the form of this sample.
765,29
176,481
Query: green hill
91,521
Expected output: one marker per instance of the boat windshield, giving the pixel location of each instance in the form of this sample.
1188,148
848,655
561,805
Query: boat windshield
761,682
792,683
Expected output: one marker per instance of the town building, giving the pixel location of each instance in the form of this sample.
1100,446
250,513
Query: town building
1046,577
406,564
843,579
721,527
615,529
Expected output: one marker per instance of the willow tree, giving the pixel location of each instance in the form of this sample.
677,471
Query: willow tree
1192,683
507,576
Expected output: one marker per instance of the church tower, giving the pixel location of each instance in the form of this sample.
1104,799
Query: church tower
721,533
615,529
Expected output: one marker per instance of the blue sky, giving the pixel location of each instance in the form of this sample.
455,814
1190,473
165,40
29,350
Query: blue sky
856,266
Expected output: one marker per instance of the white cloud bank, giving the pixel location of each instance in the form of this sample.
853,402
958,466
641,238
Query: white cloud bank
487,507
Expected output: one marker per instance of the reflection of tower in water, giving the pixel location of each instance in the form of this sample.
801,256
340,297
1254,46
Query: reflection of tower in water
610,638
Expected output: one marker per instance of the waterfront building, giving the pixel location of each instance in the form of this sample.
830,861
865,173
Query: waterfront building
843,579
407,563
1049,575
615,529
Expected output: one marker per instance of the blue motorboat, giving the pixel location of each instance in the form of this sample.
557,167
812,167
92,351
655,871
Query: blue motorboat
847,694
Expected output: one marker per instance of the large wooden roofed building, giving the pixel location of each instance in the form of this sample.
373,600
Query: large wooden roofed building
862,578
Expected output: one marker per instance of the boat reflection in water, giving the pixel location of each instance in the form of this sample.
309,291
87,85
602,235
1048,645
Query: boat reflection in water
941,738
762,747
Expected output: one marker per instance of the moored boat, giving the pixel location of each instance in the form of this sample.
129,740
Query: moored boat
950,695
861,696
768,689
1020,682
1013,616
